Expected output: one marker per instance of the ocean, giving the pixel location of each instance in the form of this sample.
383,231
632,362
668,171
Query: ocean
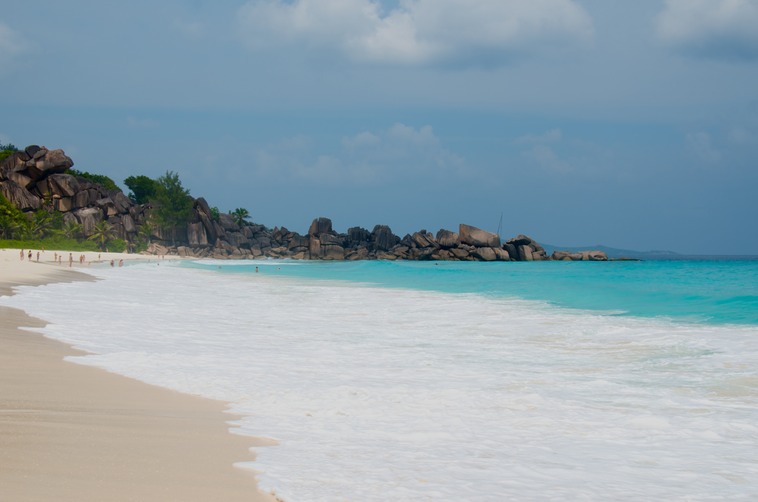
448,381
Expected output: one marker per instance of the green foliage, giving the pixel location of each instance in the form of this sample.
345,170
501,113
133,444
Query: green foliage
239,215
142,239
142,188
50,244
39,224
102,234
6,151
117,245
72,230
215,213
100,179
13,223
172,204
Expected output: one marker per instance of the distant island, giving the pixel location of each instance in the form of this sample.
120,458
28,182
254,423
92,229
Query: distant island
40,195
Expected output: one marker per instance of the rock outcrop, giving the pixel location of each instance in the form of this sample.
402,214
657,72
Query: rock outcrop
591,255
38,178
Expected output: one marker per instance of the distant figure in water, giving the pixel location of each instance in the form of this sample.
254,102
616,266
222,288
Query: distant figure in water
112,263
256,270
121,263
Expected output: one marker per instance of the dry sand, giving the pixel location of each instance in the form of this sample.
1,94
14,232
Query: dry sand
70,432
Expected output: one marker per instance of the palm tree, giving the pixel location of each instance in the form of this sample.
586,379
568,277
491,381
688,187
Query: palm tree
14,229
102,232
240,215
72,229
39,225
143,237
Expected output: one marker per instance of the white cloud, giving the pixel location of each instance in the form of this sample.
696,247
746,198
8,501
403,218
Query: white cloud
417,31
541,150
725,29
701,145
12,44
365,158
362,140
548,159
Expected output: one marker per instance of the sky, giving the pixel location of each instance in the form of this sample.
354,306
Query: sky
631,124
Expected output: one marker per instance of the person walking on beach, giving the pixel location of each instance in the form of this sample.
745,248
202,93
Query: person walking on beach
21,254
70,259
30,255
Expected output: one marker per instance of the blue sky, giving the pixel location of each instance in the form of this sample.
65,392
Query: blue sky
629,124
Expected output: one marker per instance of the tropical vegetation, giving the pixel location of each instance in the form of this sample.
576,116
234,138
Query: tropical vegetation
142,188
240,215
171,208
6,150
172,204
100,179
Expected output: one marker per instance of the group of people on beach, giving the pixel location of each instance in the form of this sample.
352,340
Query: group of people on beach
58,258
21,254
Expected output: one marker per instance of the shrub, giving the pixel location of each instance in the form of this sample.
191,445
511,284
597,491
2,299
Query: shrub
100,179
6,151
117,245
142,188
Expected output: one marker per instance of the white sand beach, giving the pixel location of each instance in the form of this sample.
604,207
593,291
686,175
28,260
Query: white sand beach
76,433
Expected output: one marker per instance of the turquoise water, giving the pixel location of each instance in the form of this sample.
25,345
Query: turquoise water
703,291
624,381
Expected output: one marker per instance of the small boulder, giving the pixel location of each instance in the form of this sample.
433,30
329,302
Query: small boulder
447,239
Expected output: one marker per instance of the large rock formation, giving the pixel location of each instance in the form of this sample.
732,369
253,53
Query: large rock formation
37,178
525,248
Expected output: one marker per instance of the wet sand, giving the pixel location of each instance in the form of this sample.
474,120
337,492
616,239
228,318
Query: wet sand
70,432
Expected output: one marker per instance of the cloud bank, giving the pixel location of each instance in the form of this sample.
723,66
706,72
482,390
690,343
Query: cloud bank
417,32
719,29
364,159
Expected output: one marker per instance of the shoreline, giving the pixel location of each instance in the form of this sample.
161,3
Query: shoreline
72,432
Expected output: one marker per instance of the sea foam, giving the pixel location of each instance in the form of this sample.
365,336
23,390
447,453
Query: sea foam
377,394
